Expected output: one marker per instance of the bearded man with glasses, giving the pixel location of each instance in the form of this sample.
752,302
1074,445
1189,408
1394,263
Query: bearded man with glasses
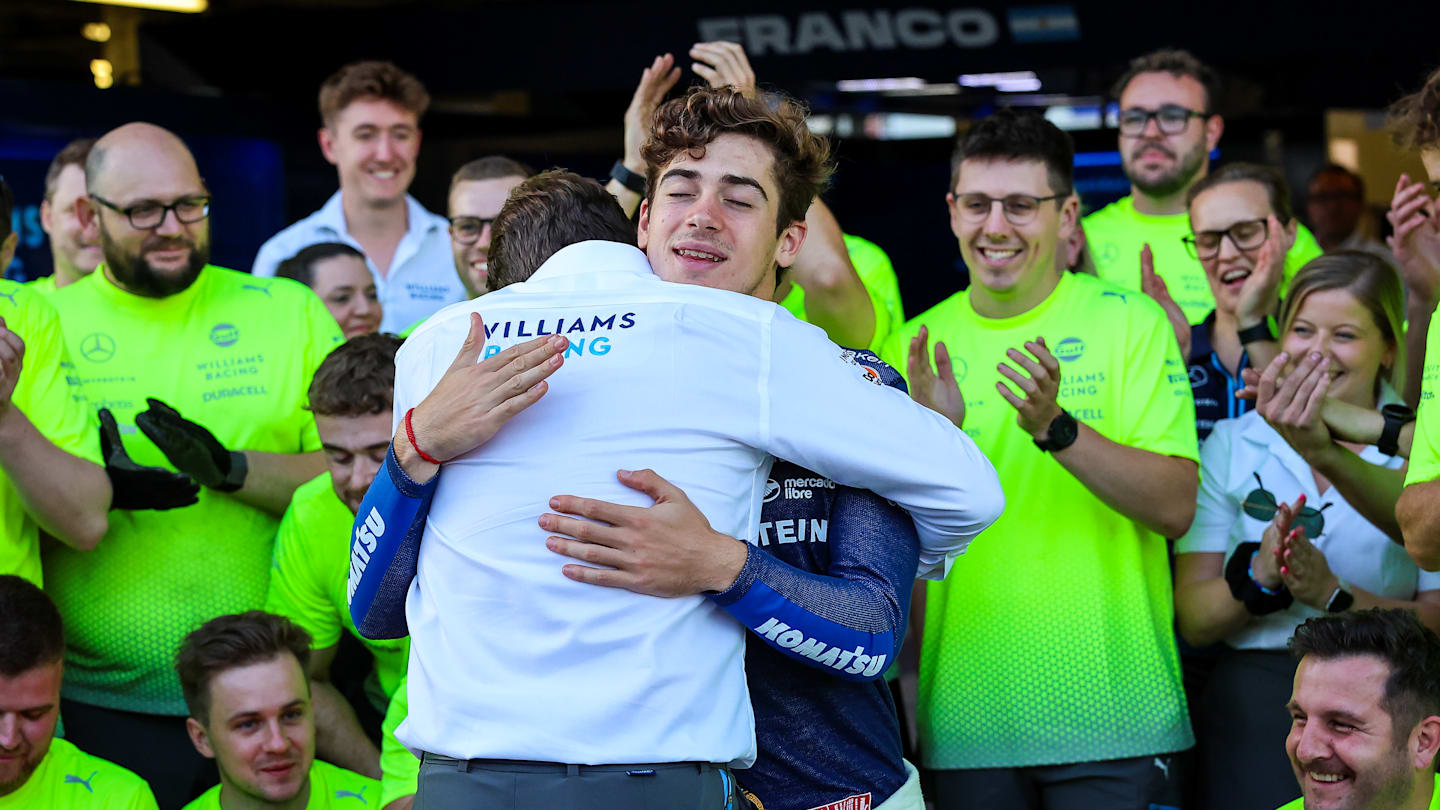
192,373
1169,124
1075,389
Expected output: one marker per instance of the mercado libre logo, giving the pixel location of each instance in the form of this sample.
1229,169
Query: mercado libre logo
224,334
1070,349
97,347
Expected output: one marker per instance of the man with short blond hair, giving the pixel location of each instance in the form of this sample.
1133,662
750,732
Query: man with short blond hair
370,114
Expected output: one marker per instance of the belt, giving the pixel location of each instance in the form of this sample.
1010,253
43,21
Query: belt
529,766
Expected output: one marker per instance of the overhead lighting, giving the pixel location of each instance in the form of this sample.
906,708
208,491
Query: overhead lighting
879,85
104,73
1017,81
908,126
96,32
187,6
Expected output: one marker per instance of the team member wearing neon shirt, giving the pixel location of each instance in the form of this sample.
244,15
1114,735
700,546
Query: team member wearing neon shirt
1169,124
50,473
160,325
477,190
74,253
1071,587
1416,244
337,273
1365,713
371,113
37,770
350,397
244,681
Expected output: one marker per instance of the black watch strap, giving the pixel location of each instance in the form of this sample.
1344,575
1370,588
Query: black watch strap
1258,332
622,175
1062,433
1396,417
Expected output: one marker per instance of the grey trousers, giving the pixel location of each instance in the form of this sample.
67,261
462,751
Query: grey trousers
450,784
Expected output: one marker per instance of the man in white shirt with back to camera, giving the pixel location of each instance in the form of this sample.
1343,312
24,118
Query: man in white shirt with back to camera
523,682
371,114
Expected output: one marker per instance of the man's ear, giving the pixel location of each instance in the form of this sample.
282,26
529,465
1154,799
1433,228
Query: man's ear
1214,128
7,250
47,213
1069,216
791,240
1425,743
642,227
327,145
199,737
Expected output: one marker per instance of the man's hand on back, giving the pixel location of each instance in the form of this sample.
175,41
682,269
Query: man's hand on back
667,549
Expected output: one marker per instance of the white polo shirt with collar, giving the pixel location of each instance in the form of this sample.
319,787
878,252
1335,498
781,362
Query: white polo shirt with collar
422,278
1354,548
511,660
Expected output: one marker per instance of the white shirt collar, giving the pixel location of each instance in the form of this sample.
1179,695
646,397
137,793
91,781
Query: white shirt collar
332,215
594,256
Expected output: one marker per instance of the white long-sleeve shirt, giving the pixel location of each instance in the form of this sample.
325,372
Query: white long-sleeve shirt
511,660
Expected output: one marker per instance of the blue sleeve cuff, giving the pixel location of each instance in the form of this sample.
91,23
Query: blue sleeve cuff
385,553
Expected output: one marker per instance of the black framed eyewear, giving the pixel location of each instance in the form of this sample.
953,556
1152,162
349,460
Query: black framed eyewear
1247,234
1170,118
1261,505
147,216
467,230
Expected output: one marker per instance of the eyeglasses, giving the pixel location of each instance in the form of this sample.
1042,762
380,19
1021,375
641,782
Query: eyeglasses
467,230
1247,234
1261,505
1171,118
147,216
1019,209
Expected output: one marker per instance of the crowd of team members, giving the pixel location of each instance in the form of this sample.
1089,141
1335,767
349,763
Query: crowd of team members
183,445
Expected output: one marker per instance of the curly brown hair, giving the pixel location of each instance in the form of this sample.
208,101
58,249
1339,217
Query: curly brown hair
357,378
802,159
382,80
1415,119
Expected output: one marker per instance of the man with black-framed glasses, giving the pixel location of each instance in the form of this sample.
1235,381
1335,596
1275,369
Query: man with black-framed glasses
1074,388
1168,125
190,373
477,191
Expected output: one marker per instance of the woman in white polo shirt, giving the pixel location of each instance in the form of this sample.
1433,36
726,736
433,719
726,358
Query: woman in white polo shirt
1334,544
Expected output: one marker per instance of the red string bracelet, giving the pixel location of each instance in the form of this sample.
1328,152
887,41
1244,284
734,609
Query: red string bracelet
410,432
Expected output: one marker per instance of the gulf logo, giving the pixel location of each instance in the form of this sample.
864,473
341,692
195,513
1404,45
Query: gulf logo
224,334
1070,349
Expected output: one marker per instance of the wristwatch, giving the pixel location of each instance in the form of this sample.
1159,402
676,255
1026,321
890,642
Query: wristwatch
1258,332
622,175
1063,432
1396,416
1340,600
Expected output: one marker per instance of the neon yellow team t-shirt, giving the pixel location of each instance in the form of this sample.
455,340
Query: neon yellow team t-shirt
56,409
1050,642
878,276
1299,804
1116,234
232,353
331,788
309,574
399,769
43,285
70,779
1425,447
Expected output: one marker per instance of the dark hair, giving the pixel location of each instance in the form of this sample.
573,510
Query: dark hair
75,153
357,378
689,124
229,642
1396,636
1415,119
545,213
1009,134
1336,168
489,168
7,206
379,80
1177,63
31,631
301,266
1268,177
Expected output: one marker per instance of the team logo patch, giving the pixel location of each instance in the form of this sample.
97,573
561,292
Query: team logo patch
871,374
10,296
772,490
1198,376
97,347
860,802
224,334
1070,349
72,779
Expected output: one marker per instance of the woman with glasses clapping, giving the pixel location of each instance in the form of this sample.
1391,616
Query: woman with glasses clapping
1292,523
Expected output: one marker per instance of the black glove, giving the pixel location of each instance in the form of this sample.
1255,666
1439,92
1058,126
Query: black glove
138,487
191,448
